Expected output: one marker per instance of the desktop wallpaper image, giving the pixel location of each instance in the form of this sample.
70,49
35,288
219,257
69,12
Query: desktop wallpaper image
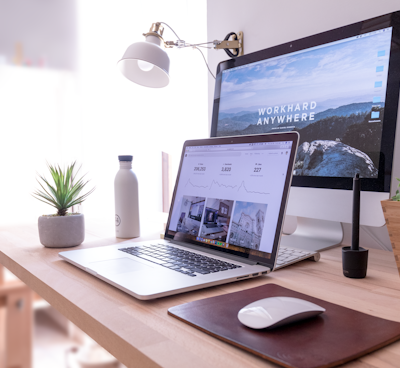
247,225
334,96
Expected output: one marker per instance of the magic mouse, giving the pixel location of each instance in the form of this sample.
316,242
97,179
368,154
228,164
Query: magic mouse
277,311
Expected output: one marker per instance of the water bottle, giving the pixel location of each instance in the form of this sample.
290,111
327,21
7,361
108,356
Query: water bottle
126,200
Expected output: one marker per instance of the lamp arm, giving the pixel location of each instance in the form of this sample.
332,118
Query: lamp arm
227,45
236,45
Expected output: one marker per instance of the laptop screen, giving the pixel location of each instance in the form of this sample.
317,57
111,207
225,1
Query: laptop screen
230,193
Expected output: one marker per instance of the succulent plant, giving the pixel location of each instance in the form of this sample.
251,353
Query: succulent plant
397,196
65,191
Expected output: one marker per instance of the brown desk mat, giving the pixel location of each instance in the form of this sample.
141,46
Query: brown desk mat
332,338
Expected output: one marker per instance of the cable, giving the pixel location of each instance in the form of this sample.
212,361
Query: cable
229,53
199,44
189,44
171,30
195,47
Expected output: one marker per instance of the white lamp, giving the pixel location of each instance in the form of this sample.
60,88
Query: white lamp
147,63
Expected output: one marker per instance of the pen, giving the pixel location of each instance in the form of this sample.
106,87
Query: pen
355,240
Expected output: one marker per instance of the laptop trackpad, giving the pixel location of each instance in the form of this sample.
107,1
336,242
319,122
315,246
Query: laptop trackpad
118,265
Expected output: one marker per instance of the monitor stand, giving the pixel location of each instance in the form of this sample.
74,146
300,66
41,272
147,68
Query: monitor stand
314,235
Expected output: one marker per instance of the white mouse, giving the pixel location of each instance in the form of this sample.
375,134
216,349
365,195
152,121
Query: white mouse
277,311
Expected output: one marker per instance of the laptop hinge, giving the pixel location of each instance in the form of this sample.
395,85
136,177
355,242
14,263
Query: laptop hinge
264,264
216,253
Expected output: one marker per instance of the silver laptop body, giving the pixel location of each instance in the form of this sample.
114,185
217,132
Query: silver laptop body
224,224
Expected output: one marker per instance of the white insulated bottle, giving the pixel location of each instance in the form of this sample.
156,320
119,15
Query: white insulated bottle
126,192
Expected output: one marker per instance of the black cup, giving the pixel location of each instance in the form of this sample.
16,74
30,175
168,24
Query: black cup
355,262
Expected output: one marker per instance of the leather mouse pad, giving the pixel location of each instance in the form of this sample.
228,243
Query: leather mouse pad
330,339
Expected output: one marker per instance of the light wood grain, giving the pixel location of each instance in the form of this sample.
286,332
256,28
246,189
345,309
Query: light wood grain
2,336
16,325
141,334
391,212
1,274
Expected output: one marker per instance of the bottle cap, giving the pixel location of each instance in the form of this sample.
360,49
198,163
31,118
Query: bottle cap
125,158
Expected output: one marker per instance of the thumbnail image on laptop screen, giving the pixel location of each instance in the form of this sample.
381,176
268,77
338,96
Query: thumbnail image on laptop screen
230,195
332,94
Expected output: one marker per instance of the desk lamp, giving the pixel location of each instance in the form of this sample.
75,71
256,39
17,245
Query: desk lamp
147,63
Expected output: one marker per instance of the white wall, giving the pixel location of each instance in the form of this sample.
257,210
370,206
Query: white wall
38,33
94,114
267,23
39,122
120,117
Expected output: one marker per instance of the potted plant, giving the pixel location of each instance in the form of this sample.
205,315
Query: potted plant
391,211
62,229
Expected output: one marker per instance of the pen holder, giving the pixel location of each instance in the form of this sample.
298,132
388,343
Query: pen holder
355,262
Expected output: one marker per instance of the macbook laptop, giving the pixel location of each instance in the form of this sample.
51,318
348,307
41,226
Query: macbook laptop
224,224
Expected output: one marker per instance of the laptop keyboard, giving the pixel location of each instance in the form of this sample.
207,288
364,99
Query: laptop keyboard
287,256
183,261
208,226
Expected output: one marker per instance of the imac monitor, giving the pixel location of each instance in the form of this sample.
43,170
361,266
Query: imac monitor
196,210
338,89
211,216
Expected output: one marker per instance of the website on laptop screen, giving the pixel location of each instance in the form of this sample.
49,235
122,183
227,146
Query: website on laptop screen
333,95
230,195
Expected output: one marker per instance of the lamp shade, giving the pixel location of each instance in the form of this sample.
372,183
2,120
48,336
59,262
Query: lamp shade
146,63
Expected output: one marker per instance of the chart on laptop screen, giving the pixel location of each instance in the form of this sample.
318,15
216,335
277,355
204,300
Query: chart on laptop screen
230,195
333,95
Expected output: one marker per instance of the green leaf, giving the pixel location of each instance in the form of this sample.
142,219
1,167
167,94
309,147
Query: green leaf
65,191
397,196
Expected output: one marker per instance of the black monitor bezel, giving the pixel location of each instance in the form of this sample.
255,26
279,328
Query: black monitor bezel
256,138
382,183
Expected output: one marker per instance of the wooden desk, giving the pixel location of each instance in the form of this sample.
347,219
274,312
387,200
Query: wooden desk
141,334
15,324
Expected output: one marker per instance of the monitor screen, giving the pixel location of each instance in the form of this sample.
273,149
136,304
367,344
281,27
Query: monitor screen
211,216
196,209
333,89
231,194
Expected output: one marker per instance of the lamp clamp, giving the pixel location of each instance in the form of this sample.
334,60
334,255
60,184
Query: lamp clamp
179,44
219,45
233,47
170,44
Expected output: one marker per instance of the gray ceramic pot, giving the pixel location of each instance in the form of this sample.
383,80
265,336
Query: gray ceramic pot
61,231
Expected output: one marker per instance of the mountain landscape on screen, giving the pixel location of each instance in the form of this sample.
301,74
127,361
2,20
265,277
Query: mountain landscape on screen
333,95
332,144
